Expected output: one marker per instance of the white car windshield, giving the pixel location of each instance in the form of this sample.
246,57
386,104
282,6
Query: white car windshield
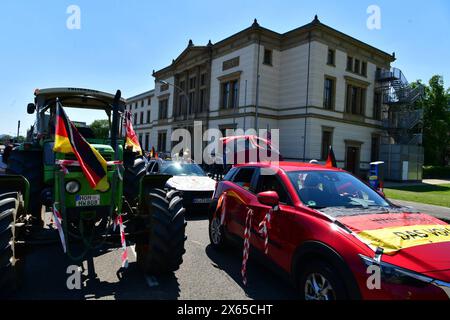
324,189
182,169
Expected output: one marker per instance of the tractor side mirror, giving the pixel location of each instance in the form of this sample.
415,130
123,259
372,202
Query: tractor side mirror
268,198
31,107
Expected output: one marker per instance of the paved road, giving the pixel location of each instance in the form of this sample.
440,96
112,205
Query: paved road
205,274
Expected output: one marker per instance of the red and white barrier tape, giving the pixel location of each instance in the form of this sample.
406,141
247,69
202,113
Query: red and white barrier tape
264,227
247,235
57,220
119,221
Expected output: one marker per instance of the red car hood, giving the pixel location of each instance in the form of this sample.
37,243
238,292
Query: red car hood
414,241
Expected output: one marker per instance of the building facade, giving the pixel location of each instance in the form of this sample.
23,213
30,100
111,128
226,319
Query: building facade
315,84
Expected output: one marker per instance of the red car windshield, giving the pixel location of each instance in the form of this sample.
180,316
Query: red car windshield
324,189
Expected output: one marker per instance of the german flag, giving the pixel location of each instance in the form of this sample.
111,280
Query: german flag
131,141
69,140
331,160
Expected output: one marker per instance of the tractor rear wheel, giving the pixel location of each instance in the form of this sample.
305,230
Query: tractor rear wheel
10,206
135,169
161,249
29,164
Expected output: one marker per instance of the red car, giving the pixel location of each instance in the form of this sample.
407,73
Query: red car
336,237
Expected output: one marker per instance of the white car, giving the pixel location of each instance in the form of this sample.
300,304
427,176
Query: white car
189,178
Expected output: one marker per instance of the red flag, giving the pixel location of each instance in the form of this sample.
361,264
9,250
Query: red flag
331,160
131,141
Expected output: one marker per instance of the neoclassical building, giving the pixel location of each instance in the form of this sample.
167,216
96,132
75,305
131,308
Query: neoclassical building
317,85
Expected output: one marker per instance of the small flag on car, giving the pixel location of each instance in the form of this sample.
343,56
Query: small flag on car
131,141
69,140
331,160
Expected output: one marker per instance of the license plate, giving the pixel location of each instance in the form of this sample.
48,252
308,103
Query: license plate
204,200
87,200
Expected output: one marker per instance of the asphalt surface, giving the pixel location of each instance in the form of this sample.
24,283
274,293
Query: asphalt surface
204,274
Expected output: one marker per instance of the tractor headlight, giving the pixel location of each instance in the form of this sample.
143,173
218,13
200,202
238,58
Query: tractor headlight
72,187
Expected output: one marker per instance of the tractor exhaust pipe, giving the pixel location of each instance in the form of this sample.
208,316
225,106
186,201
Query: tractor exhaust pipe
115,122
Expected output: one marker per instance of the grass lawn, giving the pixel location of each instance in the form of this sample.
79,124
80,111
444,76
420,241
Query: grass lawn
438,195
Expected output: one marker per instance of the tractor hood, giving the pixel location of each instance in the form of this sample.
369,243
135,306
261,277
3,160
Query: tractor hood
103,148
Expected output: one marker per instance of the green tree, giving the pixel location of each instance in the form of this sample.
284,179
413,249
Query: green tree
100,128
436,118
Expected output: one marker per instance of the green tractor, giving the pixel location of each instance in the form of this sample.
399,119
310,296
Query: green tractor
35,183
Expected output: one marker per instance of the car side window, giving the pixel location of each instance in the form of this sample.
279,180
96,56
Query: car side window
244,177
155,168
230,174
273,183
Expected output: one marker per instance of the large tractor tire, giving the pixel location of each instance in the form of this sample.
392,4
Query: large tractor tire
160,250
10,206
135,168
29,164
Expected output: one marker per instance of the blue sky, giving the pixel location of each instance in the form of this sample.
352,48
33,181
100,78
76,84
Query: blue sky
120,42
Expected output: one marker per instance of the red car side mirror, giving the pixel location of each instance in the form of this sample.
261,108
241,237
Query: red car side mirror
268,198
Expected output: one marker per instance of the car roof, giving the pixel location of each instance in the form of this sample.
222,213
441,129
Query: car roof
290,166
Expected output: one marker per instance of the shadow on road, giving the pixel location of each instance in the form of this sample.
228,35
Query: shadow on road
196,216
262,282
45,277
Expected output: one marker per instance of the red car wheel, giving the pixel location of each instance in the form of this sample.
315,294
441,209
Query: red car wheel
317,281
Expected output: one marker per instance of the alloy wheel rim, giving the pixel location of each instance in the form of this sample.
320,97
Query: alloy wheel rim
317,287
216,234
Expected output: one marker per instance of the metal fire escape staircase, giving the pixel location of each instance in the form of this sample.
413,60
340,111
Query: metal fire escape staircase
402,120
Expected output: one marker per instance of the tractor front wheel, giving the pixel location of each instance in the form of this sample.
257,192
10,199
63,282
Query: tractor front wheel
160,250
10,207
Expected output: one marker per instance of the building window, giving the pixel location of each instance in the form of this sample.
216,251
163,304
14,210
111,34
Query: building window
356,100
191,101
267,57
135,119
329,93
142,103
364,69
192,83
163,106
162,137
225,94
203,79
147,142
350,64
202,100
331,57
148,116
375,148
142,118
377,105
327,141
357,66
230,94
149,101
140,139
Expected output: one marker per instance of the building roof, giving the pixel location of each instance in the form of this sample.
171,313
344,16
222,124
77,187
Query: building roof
141,95
282,39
